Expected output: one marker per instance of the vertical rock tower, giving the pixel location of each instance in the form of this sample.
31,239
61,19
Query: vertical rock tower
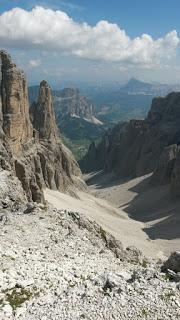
14,114
42,115
29,139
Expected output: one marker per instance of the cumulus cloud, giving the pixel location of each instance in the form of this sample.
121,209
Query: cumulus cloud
35,63
49,30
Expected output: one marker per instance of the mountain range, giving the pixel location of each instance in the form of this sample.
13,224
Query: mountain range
83,118
116,102
135,87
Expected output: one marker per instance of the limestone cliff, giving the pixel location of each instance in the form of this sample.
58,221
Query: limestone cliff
42,114
139,147
14,116
33,150
70,102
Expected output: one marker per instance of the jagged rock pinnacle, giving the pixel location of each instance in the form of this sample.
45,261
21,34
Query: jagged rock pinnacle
31,149
42,114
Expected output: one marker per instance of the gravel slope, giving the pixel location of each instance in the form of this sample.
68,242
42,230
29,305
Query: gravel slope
149,207
57,265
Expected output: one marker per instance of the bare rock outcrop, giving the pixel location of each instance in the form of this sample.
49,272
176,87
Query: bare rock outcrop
42,114
11,193
139,147
165,167
14,115
69,101
173,262
175,177
32,149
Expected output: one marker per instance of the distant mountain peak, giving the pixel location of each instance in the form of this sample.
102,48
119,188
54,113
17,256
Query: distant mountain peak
134,80
135,86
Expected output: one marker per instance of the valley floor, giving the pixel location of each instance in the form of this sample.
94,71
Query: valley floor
133,211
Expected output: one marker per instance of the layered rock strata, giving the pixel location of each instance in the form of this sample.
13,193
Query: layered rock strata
69,101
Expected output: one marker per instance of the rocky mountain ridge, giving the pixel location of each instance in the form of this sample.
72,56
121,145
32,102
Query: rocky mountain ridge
69,102
75,118
136,147
33,150
135,87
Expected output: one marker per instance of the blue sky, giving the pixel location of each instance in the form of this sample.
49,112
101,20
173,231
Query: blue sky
77,45
155,17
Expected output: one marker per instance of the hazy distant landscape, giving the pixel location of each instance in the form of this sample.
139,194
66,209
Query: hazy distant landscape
111,103
89,160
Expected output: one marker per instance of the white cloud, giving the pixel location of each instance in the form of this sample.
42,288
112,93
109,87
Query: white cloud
35,63
49,30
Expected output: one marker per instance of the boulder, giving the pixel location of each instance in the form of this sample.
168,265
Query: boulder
173,262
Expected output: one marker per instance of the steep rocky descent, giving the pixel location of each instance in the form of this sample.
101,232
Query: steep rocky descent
57,264
135,148
36,155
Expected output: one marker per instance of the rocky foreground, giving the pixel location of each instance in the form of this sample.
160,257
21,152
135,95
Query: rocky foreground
59,265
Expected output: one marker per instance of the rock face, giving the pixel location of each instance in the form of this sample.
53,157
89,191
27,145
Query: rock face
165,167
14,105
75,118
76,115
175,177
11,193
32,150
139,147
95,158
42,114
69,101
